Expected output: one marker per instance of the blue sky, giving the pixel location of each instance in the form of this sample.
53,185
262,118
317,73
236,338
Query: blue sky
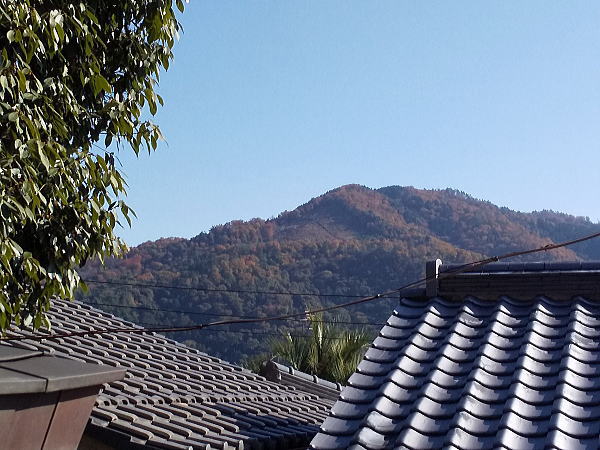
271,103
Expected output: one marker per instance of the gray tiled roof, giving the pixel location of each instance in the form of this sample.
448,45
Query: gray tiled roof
475,374
176,397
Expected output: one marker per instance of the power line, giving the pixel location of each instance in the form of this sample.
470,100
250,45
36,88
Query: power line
227,290
441,275
197,313
254,333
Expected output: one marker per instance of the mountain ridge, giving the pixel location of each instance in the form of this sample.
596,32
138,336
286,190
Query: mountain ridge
352,240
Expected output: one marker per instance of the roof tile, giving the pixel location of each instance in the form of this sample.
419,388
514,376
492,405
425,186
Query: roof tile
475,374
176,397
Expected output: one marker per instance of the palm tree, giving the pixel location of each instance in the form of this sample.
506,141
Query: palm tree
330,352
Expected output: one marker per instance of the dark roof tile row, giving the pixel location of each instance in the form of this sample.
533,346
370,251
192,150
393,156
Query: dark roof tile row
475,374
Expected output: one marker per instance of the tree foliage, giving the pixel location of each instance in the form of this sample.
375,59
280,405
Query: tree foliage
72,75
331,352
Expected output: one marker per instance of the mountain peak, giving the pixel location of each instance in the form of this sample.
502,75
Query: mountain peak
352,240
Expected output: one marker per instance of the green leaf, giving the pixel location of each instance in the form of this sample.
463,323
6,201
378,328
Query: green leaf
44,158
91,16
152,107
60,32
22,81
100,84
37,322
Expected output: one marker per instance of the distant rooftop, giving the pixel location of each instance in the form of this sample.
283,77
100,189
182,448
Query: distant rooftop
289,376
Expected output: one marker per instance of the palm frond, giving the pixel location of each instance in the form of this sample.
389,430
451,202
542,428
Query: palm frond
330,352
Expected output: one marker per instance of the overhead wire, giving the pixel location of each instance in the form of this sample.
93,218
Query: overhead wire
237,316
225,290
444,274
254,333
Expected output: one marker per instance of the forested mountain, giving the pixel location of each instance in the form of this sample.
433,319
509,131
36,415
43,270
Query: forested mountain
350,241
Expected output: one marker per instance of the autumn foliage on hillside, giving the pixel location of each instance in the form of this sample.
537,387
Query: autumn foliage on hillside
350,241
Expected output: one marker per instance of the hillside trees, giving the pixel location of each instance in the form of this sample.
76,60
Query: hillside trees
72,75
293,253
